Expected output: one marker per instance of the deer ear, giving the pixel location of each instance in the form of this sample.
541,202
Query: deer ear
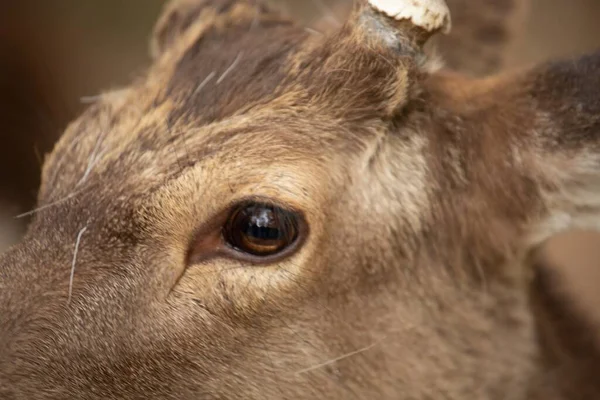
177,16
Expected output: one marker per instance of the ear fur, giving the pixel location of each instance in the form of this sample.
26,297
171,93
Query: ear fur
176,17
179,15
482,34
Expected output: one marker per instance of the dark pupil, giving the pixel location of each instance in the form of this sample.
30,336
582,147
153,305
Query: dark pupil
261,229
262,224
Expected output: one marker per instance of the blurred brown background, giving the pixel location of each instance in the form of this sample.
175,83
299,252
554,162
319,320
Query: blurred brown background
55,54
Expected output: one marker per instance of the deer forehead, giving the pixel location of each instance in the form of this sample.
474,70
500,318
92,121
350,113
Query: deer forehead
118,139
278,92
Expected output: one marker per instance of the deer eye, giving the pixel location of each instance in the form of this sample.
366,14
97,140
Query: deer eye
261,229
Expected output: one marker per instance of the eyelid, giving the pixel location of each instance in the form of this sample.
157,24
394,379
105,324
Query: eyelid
207,241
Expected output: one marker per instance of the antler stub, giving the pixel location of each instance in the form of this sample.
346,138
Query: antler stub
430,15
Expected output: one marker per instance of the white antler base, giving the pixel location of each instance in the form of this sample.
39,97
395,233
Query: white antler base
430,15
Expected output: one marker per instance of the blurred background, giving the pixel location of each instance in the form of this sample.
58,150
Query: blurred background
55,55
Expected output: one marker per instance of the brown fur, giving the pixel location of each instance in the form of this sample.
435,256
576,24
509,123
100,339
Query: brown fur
424,193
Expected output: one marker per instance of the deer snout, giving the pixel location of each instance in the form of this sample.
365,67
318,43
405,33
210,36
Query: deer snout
29,318
64,321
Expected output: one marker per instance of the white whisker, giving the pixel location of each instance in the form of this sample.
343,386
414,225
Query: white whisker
231,67
92,160
204,82
313,31
89,99
255,20
334,360
81,232
55,203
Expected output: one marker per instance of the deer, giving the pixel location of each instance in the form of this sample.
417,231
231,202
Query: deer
271,212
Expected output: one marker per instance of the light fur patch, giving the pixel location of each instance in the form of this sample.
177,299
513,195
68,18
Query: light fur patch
430,15
575,203
390,161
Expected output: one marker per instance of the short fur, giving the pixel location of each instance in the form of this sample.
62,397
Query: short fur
423,191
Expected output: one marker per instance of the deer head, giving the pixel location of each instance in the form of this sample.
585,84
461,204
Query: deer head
274,214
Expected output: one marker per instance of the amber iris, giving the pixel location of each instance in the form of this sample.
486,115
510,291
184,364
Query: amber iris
261,229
